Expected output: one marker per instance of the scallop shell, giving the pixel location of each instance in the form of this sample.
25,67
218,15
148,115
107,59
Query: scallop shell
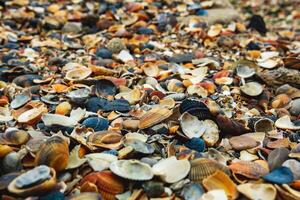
248,169
196,108
252,89
285,123
14,137
78,74
201,168
106,139
180,169
132,170
53,153
220,180
41,188
154,116
191,126
258,191
96,123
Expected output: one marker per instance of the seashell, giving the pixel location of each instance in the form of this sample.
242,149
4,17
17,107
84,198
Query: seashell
243,142
284,194
248,169
53,153
295,107
94,104
63,108
201,168
36,181
104,88
196,144
211,134
139,146
220,180
4,150
214,195
78,73
230,126
150,69
20,99
175,85
154,116
100,161
264,125
281,101
167,103
180,169
107,183
285,142
5,114
191,126
293,192
6,179
26,80
31,116
132,170
252,89
86,195
294,166
74,159
277,157
106,139
295,184
153,188
244,71
79,96
285,123
258,191
55,119
96,123
197,90
217,156
192,191
14,137
196,108
58,88
280,175
245,155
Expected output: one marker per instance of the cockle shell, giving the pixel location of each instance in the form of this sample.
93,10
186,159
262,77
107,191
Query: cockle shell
180,169
203,167
154,116
248,169
220,180
191,126
132,169
258,191
285,123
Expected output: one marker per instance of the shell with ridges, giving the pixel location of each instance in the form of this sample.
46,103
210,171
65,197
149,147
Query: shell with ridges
154,116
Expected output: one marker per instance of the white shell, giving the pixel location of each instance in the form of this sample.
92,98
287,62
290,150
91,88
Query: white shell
100,161
245,155
74,160
285,123
136,136
258,191
29,115
245,71
132,169
78,73
191,126
211,134
55,119
252,89
214,195
171,170
294,166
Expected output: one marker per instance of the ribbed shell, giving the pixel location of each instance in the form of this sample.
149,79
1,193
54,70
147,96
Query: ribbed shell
154,116
248,169
201,168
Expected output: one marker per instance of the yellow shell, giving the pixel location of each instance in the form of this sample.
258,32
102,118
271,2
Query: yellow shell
220,180
154,116
63,108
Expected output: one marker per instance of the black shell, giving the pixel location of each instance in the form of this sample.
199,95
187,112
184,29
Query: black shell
26,80
196,108
104,88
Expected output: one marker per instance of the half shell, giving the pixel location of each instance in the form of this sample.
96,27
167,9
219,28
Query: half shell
78,74
252,89
285,123
154,116
248,169
191,126
258,191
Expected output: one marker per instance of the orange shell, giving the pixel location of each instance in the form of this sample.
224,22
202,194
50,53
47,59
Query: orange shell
248,169
154,116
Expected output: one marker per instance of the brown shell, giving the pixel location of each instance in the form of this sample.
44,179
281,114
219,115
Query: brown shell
41,188
4,150
53,153
106,139
248,169
14,137
220,180
107,183
201,168
154,116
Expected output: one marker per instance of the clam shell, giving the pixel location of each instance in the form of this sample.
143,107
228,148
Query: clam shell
220,180
53,153
104,88
248,169
252,89
175,85
63,108
201,168
180,169
79,96
295,193
244,71
38,189
285,123
20,99
132,170
245,155
191,126
284,194
192,191
264,125
31,116
140,146
96,123
154,116
211,134
14,137
295,107
258,191
294,166
78,74
105,139
26,80
277,157
280,175
150,69
100,161
243,142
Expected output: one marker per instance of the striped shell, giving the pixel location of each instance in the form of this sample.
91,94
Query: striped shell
154,116
248,169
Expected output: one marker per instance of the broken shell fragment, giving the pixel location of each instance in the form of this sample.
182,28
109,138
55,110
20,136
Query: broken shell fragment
154,116
180,170
248,169
258,191
280,175
286,123
132,170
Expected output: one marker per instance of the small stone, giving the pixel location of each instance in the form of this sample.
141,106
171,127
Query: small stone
182,58
116,45
242,142
131,124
